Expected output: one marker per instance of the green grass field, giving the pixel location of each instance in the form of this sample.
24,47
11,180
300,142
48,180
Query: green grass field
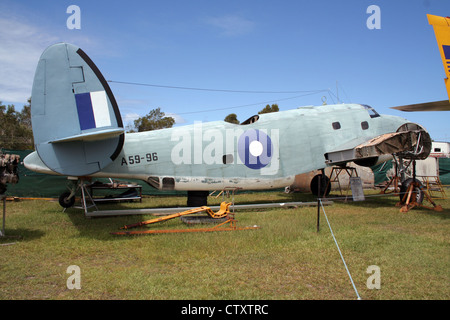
285,259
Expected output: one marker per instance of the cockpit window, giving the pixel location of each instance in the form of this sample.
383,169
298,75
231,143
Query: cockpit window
371,111
250,120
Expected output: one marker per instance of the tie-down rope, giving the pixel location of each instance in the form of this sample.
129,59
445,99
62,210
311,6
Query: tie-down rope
342,257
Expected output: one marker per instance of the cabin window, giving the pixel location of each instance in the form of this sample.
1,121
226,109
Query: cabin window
168,183
227,158
437,149
371,111
336,125
364,125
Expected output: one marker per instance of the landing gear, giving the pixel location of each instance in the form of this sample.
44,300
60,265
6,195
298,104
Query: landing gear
412,194
197,198
66,199
416,190
320,185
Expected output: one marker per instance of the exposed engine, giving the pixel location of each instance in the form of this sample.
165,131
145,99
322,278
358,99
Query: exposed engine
9,172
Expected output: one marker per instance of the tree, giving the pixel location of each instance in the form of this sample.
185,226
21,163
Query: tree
269,109
15,127
24,117
154,120
231,118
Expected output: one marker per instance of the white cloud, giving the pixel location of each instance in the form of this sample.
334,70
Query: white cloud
130,117
232,25
22,43
178,119
21,48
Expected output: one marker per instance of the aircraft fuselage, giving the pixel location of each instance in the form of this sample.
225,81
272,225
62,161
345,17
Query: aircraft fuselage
265,154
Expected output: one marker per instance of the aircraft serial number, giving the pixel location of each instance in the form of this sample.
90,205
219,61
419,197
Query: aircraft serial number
148,157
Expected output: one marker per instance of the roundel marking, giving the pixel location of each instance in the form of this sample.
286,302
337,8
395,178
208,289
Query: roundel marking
255,149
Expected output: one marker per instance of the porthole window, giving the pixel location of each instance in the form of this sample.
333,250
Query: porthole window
227,158
336,125
364,125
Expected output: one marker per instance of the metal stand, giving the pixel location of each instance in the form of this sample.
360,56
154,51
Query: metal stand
351,172
434,185
84,193
2,231
81,185
115,185
226,192
400,170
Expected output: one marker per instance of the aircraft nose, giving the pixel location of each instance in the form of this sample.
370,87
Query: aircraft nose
417,138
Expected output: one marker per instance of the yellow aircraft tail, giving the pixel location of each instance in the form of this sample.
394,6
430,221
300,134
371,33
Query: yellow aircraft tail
441,28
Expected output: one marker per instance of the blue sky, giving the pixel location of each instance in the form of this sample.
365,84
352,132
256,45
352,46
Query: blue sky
307,48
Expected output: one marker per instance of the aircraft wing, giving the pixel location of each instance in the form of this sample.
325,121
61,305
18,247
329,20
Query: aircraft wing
443,105
408,142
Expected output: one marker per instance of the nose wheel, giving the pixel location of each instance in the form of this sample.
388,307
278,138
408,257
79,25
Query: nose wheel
413,189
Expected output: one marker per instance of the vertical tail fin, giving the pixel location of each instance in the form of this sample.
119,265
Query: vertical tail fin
441,28
76,122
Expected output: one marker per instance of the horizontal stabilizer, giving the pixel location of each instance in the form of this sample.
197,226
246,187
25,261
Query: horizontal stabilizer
76,122
92,136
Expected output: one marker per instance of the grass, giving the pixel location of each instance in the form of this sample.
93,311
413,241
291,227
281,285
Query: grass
285,259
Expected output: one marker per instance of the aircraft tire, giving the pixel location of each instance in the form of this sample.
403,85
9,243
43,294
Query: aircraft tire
65,201
417,191
324,184
197,198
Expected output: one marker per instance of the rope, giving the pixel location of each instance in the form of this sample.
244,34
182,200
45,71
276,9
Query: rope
342,257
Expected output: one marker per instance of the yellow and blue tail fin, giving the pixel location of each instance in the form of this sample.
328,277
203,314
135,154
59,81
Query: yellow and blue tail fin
441,28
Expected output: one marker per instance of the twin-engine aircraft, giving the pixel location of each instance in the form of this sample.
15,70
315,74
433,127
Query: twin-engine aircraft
78,131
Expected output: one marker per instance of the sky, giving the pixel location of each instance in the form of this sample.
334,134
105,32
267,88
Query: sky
241,54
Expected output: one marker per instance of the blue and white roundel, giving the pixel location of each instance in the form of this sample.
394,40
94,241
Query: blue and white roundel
255,149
